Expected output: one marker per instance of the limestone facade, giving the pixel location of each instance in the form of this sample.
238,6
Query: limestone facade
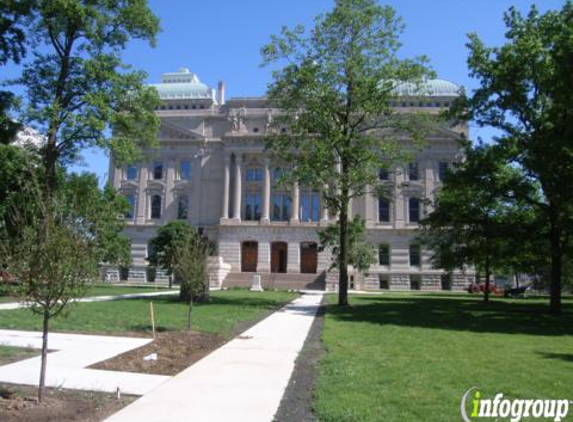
211,171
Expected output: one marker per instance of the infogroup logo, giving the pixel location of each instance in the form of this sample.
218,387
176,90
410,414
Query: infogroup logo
514,409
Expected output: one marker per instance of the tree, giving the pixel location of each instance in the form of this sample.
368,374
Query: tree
77,86
526,92
335,93
174,247
477,214
13,14
361,253
53,246
191,259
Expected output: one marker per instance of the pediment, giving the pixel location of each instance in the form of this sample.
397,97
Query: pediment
170,130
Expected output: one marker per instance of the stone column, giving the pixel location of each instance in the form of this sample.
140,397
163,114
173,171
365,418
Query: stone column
238,188
141,211
226,178
265,218
294,217
169,206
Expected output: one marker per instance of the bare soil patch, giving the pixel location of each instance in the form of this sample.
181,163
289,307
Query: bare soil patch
18,404
176,350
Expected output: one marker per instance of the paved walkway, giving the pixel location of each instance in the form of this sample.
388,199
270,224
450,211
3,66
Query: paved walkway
17,305
242,381
73,353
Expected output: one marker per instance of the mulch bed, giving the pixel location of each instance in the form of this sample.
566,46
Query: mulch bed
175,350
18,404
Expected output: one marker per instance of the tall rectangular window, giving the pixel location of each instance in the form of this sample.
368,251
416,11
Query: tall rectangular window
309,205
413,171
156,206
185,170
383,210
131,201
254,174
414,210
253,206
384,254
183,207
415,255
442,170
131,173
383,281
281,207
383,174
158,170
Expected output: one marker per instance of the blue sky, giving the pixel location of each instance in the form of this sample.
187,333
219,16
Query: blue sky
220,40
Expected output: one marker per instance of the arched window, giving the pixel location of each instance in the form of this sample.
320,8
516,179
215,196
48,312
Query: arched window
183,207
156,206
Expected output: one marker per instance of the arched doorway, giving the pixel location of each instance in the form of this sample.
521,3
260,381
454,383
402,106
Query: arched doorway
249,257
278,257
308,257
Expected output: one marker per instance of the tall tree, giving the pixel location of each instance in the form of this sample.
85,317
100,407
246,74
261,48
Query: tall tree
526,91
335,92
77,86
477,213
53,246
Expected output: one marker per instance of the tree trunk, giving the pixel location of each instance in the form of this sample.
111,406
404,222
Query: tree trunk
44,355
556,267
343,259
487,279
189,309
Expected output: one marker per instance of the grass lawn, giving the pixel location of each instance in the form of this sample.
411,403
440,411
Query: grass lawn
411,357
9,354
97,290
221,315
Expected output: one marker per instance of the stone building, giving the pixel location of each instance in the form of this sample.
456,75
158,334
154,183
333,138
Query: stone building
211,171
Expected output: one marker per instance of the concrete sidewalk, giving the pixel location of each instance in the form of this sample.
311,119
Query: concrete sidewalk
242,381
73,353
18,305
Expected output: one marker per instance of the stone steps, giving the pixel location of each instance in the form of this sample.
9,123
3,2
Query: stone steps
278,281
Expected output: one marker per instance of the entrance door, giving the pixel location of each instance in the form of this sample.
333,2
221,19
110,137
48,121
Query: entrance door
308,257
278,257
249,257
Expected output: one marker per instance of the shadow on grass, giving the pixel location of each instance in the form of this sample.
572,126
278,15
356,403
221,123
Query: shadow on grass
567,357
458,313
243,301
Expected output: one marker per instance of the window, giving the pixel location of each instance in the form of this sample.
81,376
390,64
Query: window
254,174
182,207
442,170
156,206
281,207
383,174
253,205
384,254
131,200
309,205
185,170
131,173
414,210
415,255
383,210
158,170
446,281
413,171
383,281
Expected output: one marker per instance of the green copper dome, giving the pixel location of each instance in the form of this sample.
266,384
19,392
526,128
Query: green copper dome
429,88
182,85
